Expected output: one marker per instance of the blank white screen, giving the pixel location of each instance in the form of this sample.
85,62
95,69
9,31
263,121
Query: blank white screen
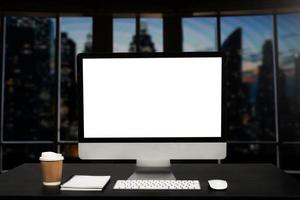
152,97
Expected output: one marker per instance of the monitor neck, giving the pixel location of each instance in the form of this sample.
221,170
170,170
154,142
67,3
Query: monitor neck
152,170
152,163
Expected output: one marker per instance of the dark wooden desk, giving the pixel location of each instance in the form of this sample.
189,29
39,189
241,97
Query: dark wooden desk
245,181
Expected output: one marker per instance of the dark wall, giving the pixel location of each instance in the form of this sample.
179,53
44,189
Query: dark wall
169,6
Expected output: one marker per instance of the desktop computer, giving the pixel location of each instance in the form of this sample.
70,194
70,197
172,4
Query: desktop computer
151,107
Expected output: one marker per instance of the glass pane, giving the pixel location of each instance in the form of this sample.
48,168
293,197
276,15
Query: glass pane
17,154
151,35
76,37
247,42
251,153
70,152
288,28
289,156
30,79
199,34
123,35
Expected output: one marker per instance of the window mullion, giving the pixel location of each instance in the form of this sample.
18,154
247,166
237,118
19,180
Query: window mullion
58,71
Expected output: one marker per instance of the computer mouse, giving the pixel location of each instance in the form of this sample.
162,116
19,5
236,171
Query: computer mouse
217,184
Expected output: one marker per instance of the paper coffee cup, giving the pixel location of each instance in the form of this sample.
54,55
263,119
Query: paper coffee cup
51,166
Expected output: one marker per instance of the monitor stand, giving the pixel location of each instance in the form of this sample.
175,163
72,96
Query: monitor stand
152,170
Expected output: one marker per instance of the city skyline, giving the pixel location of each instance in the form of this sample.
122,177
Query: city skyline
78,29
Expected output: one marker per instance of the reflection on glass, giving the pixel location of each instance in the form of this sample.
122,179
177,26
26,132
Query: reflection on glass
76,37
288,30
17,154
123,34
251,153
247,42
151,35
69,151
30,79
199,34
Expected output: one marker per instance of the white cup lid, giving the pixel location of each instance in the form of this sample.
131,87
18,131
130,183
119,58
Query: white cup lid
51,156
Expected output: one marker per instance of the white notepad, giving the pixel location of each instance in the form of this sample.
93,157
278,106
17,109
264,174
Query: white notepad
85,183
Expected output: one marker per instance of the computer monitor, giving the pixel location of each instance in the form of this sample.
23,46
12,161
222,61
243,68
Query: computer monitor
151,107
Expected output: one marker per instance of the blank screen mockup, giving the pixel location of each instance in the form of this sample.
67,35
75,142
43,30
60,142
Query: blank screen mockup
152,97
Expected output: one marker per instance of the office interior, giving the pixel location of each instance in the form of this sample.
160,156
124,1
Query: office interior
40,40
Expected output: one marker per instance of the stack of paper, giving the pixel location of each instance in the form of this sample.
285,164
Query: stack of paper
85,183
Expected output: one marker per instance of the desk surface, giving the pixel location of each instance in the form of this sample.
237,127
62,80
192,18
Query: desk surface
245,180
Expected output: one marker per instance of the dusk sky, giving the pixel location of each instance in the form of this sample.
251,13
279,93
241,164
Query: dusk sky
289,33
199,33
123,31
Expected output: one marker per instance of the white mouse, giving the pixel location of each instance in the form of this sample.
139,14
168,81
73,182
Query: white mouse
217,184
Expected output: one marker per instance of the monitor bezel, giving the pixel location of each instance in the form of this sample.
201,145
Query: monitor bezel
80,102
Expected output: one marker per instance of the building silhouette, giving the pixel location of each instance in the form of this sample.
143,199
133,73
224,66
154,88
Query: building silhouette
290,104
88,45
265,105
69,109
146,44
296,124
285,108
30,79
68,88
288,100
297,84
235,95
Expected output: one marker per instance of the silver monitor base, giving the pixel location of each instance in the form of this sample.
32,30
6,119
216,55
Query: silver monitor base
156,170
152,174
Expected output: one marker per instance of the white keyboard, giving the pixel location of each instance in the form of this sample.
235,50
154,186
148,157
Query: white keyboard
157,185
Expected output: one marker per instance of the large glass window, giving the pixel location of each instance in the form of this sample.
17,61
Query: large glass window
248,44
30,79
31,87
76,37
288,29
199,34
124,30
